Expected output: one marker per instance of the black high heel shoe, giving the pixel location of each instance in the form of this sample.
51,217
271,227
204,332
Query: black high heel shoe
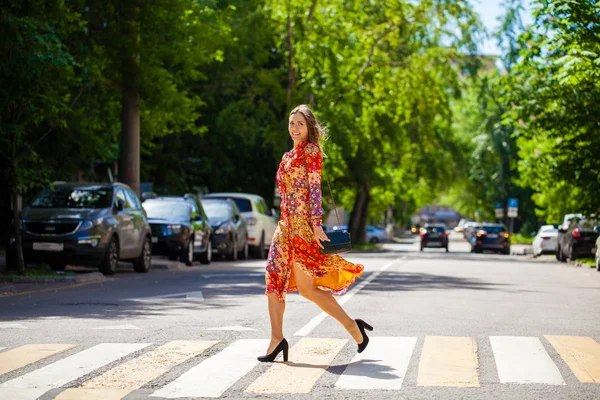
362,325
282,346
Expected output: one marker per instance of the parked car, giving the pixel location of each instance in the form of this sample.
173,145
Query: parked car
491,237
230,232
434,235
544,241
376,235
597,253
576,241
180,229
259,218
86,224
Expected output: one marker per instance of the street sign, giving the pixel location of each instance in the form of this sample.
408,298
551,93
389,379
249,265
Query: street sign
513,208
499,208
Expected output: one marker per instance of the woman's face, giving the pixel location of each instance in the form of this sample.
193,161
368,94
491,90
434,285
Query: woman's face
298,128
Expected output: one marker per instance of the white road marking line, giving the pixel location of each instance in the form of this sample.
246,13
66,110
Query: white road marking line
28,354
382,365
117,327
12,326
313,323
52,376
524,360
215,375
123,379
237,328
196,296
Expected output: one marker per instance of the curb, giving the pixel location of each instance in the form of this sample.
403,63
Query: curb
84,278
579,264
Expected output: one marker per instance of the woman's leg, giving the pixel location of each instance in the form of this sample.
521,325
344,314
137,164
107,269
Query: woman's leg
326,301
276,311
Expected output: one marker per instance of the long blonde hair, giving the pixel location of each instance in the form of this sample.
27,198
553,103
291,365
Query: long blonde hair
316,132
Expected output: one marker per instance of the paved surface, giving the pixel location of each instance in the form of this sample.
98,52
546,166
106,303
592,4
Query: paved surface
447,325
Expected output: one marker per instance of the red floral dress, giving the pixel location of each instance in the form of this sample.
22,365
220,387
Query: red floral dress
299,183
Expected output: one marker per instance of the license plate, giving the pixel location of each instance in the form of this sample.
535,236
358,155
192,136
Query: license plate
493,236
47,246
154,239
434,244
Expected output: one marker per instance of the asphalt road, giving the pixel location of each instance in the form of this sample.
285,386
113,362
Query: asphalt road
447,325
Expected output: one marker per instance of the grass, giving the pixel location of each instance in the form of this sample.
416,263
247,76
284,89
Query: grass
589,261
517,238
366,246
38,270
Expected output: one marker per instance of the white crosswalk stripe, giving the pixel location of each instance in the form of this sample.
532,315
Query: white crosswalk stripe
212,377
524,360
55,375
383,366
444,361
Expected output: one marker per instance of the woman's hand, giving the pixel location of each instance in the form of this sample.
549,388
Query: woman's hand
320,235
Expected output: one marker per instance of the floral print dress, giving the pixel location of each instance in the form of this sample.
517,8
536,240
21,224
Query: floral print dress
299,183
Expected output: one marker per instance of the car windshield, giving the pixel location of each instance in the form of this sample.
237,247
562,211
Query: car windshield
217,209
435,228
65,197
167,210
493,229
244,205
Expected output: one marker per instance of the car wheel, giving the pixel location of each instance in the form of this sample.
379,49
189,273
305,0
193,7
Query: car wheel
557,253
259,252
374,240
447,250
234,252
206,257
561,255
187,256
244,252
143,262
58,267
598,260
110,261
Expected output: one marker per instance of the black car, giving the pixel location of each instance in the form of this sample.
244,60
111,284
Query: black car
490,236
180,229
86,224
434,236
230,232
577,240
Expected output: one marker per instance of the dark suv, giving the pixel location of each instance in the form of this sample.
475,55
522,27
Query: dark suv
434,236
180,228
490,237
577,240
86,224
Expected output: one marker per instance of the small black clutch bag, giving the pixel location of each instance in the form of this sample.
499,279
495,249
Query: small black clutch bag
339,243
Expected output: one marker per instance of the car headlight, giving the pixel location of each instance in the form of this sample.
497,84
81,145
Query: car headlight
172,229
90,223
221,230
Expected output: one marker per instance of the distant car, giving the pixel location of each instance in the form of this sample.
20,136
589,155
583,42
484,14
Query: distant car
576,241
376,235
86,224
230,232
470,228
260,219
434,236
461,225
339,228
180,229
544,241
490,236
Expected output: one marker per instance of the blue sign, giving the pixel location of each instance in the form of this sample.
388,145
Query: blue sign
498,205
513,203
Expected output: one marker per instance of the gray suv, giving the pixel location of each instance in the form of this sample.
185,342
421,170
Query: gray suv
87,224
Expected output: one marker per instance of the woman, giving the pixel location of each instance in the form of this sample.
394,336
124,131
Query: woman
295,262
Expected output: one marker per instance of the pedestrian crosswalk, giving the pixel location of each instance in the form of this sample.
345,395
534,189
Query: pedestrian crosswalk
115,370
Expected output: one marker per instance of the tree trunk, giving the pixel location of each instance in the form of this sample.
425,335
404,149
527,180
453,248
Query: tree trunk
290,66
16,209
358,223
129,157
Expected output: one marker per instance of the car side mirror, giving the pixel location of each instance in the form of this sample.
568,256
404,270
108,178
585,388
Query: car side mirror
120,205
562,229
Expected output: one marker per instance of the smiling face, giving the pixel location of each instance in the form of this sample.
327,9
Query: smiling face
298,128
